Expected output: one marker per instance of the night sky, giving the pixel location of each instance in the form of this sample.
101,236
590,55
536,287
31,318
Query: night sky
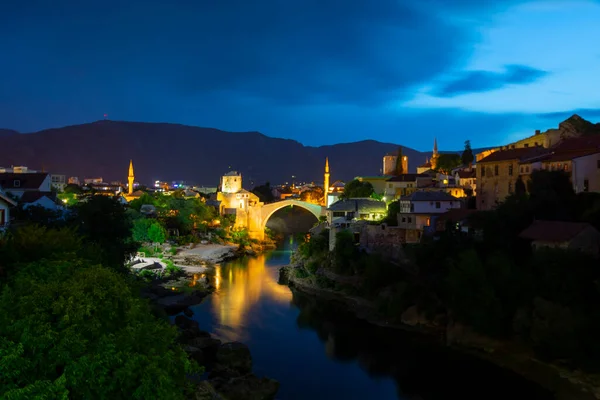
318,71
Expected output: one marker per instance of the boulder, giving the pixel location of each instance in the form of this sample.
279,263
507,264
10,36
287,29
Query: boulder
248,387
233,359
208,346
195,354
184,322
284,276
188,313
205,391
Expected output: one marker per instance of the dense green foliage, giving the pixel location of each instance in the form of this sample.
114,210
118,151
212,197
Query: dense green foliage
72,328
447,162
493,282
356,189
392,213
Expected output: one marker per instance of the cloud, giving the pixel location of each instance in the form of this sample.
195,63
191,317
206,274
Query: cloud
587,113
484,81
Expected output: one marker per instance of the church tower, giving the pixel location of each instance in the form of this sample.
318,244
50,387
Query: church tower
326,181
130,178
435,155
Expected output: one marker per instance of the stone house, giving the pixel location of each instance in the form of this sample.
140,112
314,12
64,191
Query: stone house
467,179
405,184
419,210
564,235
497,174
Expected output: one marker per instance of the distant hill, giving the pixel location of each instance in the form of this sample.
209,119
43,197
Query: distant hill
197,155
7,132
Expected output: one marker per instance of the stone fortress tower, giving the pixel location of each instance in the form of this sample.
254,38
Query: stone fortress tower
389,164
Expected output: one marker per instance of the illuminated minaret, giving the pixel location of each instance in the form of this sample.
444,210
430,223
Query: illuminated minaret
435,155
130,178
326,181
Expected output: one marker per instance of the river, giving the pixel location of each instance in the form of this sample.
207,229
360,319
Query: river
316,351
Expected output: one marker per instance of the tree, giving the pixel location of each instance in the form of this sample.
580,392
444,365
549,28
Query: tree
467,155
156,233
84,333
447,162
356,189
392,213
551,195
264,192
313,195
140,229
103,221
399,166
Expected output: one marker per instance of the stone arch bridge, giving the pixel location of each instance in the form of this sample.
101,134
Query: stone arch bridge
260,214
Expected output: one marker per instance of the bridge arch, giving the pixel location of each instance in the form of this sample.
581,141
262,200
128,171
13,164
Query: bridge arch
269,209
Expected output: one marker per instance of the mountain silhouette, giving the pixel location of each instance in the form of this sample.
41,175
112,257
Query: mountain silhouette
162,151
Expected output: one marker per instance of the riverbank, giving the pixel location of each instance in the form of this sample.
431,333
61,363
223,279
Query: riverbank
227,366
565,384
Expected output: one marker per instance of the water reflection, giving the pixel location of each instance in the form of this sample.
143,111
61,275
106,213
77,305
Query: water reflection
247,281
420,368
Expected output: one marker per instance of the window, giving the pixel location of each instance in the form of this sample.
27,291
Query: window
496,170
339,213
428,222
527,169
409,220
437,204
510,170
522,169
482,170
598,163
526,145
2,217
586,185
241,203
403,219
390,185
17,183
412,207
510,187
566,167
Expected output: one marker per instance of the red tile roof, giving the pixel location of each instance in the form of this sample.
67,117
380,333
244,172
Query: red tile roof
26,180
553,231
520,154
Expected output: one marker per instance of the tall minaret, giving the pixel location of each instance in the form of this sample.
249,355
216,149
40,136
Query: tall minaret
130,178
435,155
326,181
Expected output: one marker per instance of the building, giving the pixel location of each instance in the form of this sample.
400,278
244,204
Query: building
233,200
5,204
405,184
88,181
419,210
497,174
335,190
47,200
389,164
563,235
326,183
356,209
73,180
430,164
379,183
352,214
457,218
58,182
17,183
467,179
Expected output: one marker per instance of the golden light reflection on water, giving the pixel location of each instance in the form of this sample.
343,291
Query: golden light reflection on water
246,283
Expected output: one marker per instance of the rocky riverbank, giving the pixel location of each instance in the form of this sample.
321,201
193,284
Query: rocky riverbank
228,365
565,384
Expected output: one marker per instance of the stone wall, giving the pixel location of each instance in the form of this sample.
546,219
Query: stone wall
385,240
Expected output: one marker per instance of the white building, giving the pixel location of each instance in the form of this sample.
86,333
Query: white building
5,204
419,210
58,182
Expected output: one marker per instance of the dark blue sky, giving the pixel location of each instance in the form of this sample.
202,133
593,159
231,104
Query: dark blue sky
318,71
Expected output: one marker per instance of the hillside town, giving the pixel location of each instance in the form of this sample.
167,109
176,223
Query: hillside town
415,198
